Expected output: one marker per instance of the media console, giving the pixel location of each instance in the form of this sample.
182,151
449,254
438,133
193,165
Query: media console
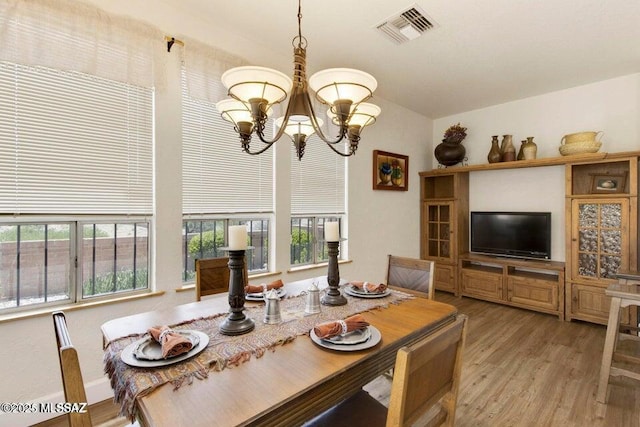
531,284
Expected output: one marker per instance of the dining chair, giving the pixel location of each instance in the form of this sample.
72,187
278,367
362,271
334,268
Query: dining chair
411,273
212,276
72,383
70,369
424,390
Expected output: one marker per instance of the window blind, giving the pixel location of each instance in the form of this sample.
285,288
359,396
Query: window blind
318,181
217,176
73,143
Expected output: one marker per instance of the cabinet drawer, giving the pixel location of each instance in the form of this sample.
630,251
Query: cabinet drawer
532,292
482,284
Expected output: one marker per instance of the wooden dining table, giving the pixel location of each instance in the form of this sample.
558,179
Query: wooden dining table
284,387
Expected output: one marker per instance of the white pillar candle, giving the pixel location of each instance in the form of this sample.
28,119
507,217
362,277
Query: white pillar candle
237,237
332,231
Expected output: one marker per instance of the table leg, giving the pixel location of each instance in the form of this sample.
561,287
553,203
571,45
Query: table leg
609,348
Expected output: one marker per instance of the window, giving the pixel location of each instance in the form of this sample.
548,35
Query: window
63,153
222,186
41,263
318,194
307,240
203,238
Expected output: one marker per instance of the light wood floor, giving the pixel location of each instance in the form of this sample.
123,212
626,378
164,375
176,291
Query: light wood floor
523,368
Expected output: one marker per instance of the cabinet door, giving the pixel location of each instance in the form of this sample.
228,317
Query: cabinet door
532,292
481,284
444,277
590,303
439,225
600,239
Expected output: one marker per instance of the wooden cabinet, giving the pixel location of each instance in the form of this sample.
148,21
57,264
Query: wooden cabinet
602,233
444,223
601,238
534,285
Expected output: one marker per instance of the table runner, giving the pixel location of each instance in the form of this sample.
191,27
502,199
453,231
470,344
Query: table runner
224,351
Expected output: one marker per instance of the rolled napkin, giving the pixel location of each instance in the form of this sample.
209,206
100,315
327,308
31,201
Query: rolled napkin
334,328
173,344
257,289
370,287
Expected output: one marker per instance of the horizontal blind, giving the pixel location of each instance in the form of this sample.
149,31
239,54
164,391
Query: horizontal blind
74,143
217,176
318,180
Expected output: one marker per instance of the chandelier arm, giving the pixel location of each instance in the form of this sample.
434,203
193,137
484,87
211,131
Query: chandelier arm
318,128
338,151
245,148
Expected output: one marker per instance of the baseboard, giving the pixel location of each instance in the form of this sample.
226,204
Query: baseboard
97,391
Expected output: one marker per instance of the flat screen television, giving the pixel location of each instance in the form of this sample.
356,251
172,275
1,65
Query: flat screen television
512,234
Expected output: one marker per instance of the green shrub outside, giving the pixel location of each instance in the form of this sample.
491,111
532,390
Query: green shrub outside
123,280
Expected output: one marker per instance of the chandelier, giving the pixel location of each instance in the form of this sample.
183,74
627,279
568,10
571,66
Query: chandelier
254,91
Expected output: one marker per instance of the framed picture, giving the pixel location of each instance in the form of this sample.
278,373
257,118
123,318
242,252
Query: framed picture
608,183
390,171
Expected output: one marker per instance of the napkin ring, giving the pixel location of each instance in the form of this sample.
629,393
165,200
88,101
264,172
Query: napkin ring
343,325
163,334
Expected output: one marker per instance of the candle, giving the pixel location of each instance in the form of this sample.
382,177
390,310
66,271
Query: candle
237,237
332,231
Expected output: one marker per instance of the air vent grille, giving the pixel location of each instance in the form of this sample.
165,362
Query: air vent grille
407,25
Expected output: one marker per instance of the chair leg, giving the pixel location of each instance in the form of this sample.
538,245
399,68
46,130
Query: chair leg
609,348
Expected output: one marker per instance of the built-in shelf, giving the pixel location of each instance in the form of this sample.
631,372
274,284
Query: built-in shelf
549,161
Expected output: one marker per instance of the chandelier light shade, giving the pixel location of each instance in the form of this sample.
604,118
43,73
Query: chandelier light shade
255,90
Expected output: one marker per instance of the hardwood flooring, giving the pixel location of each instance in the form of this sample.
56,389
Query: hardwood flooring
523,368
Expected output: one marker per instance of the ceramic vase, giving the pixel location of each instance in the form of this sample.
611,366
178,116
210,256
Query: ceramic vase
449,153
520,155
508,150
494,155
530,149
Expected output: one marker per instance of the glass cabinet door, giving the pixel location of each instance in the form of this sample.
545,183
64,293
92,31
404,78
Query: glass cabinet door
600,238
439,230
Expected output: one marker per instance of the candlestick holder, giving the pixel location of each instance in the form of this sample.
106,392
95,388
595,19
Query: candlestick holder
236,322
333,296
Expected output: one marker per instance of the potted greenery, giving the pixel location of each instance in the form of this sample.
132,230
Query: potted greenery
450,151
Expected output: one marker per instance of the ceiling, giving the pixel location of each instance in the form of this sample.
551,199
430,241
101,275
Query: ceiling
481,53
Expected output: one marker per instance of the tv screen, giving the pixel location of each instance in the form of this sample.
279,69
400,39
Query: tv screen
512,234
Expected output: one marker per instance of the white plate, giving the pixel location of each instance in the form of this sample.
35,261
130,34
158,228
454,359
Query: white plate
129,358
349,290
351,338
376,337
260,296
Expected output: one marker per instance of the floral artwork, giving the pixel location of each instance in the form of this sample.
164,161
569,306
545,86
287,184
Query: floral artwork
390,171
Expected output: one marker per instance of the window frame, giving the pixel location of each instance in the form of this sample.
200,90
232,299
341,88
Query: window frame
76,258
318,243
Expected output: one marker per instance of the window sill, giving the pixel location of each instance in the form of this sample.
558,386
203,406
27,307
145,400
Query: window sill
192,286
314,266
77,306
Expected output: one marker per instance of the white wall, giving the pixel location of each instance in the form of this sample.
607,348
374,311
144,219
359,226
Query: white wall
381,222
612,106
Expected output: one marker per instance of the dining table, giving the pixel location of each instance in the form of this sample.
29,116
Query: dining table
279,380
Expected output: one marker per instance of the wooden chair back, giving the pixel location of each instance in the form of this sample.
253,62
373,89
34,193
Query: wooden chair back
70,368
212,276
411,273
427,378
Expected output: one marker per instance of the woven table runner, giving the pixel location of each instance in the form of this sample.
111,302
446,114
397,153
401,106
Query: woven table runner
225,351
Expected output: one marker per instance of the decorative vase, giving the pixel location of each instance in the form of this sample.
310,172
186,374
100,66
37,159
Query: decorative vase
530,149
396,176
507,148
494,155
520,155
449,153
385,173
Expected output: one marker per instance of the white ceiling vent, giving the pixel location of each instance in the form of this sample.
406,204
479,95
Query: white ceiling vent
407,25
